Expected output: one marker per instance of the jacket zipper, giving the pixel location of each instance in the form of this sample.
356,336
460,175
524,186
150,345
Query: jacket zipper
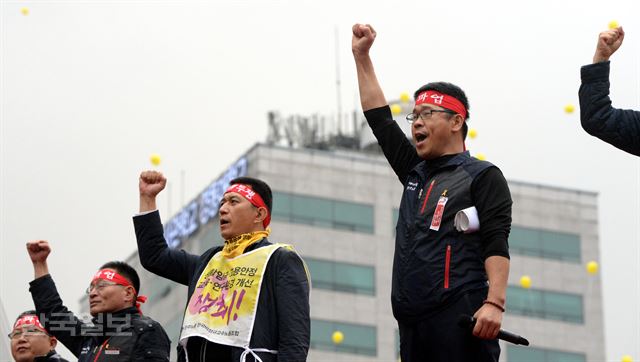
424,203
447,262
100,350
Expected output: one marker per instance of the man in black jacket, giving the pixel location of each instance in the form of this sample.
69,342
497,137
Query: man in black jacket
618,127
119,331
30,342
247,300
440,273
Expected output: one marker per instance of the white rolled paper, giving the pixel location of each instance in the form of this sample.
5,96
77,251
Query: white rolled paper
467,220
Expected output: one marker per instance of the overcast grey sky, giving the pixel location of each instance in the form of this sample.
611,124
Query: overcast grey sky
90,89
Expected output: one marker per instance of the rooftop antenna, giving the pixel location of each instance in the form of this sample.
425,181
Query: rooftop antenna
338,95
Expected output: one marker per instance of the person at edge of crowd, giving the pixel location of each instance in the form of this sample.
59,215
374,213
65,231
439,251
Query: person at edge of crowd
618,127
30,342
119,331
440,273
248,299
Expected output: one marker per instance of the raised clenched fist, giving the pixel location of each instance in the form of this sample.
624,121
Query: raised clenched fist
608,42
38,251
362,39
151,183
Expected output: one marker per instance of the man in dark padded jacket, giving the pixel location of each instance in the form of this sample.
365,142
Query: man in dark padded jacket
440,273
247,300
119,331
618,127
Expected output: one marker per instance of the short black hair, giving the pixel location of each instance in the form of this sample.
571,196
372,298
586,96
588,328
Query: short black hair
259,186
126,271
450,90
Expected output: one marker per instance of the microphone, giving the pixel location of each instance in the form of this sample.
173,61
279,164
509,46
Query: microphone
466,321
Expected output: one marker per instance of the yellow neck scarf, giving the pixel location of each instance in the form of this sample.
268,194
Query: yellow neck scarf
238,244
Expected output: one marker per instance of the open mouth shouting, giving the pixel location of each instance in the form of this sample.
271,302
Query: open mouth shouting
420,137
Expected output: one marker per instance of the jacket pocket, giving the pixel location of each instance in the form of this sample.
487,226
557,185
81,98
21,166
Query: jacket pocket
447,266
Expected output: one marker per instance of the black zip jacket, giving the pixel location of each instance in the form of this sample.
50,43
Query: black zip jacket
618,127
121,336
434,265
282,319
52,356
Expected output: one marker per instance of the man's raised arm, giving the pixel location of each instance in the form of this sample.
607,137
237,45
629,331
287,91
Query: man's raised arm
155,254
371,95
397,149
618,127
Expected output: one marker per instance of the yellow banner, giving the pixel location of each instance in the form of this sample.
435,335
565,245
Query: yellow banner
222,308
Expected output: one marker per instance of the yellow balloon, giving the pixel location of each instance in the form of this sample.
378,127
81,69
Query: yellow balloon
592,267
155,159
404,97
525,282
627,358
569,108
337,337
24,11
396,109
473,133
481,156
613,24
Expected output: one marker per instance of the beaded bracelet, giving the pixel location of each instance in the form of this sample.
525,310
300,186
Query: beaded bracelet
494,304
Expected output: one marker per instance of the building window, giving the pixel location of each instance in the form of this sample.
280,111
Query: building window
545,304
545,244
530,354
342,277
358,339
321,212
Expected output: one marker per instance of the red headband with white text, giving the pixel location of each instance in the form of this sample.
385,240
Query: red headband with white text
112,276
29,320
442,100
253,197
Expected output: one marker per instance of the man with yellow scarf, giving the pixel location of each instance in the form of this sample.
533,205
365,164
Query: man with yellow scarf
247,300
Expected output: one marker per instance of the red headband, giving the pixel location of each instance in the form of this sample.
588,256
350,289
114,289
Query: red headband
254,198
112,276
30,320
442,100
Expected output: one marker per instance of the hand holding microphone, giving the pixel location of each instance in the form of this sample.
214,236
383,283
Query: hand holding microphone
467,321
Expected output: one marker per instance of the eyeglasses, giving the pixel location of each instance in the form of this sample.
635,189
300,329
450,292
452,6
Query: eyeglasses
26,332
425,114
99,286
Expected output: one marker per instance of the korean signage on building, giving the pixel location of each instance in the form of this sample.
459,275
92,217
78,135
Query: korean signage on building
203,208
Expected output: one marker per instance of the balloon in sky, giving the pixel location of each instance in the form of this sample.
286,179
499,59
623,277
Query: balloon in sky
337,337
155,159
525,282
569,108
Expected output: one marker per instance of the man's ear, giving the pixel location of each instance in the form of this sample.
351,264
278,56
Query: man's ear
131,294
262,214
457,122
53,342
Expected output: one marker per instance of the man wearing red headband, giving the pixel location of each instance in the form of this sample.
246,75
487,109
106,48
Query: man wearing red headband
618,127
248,300
30,342
119,331
440,273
